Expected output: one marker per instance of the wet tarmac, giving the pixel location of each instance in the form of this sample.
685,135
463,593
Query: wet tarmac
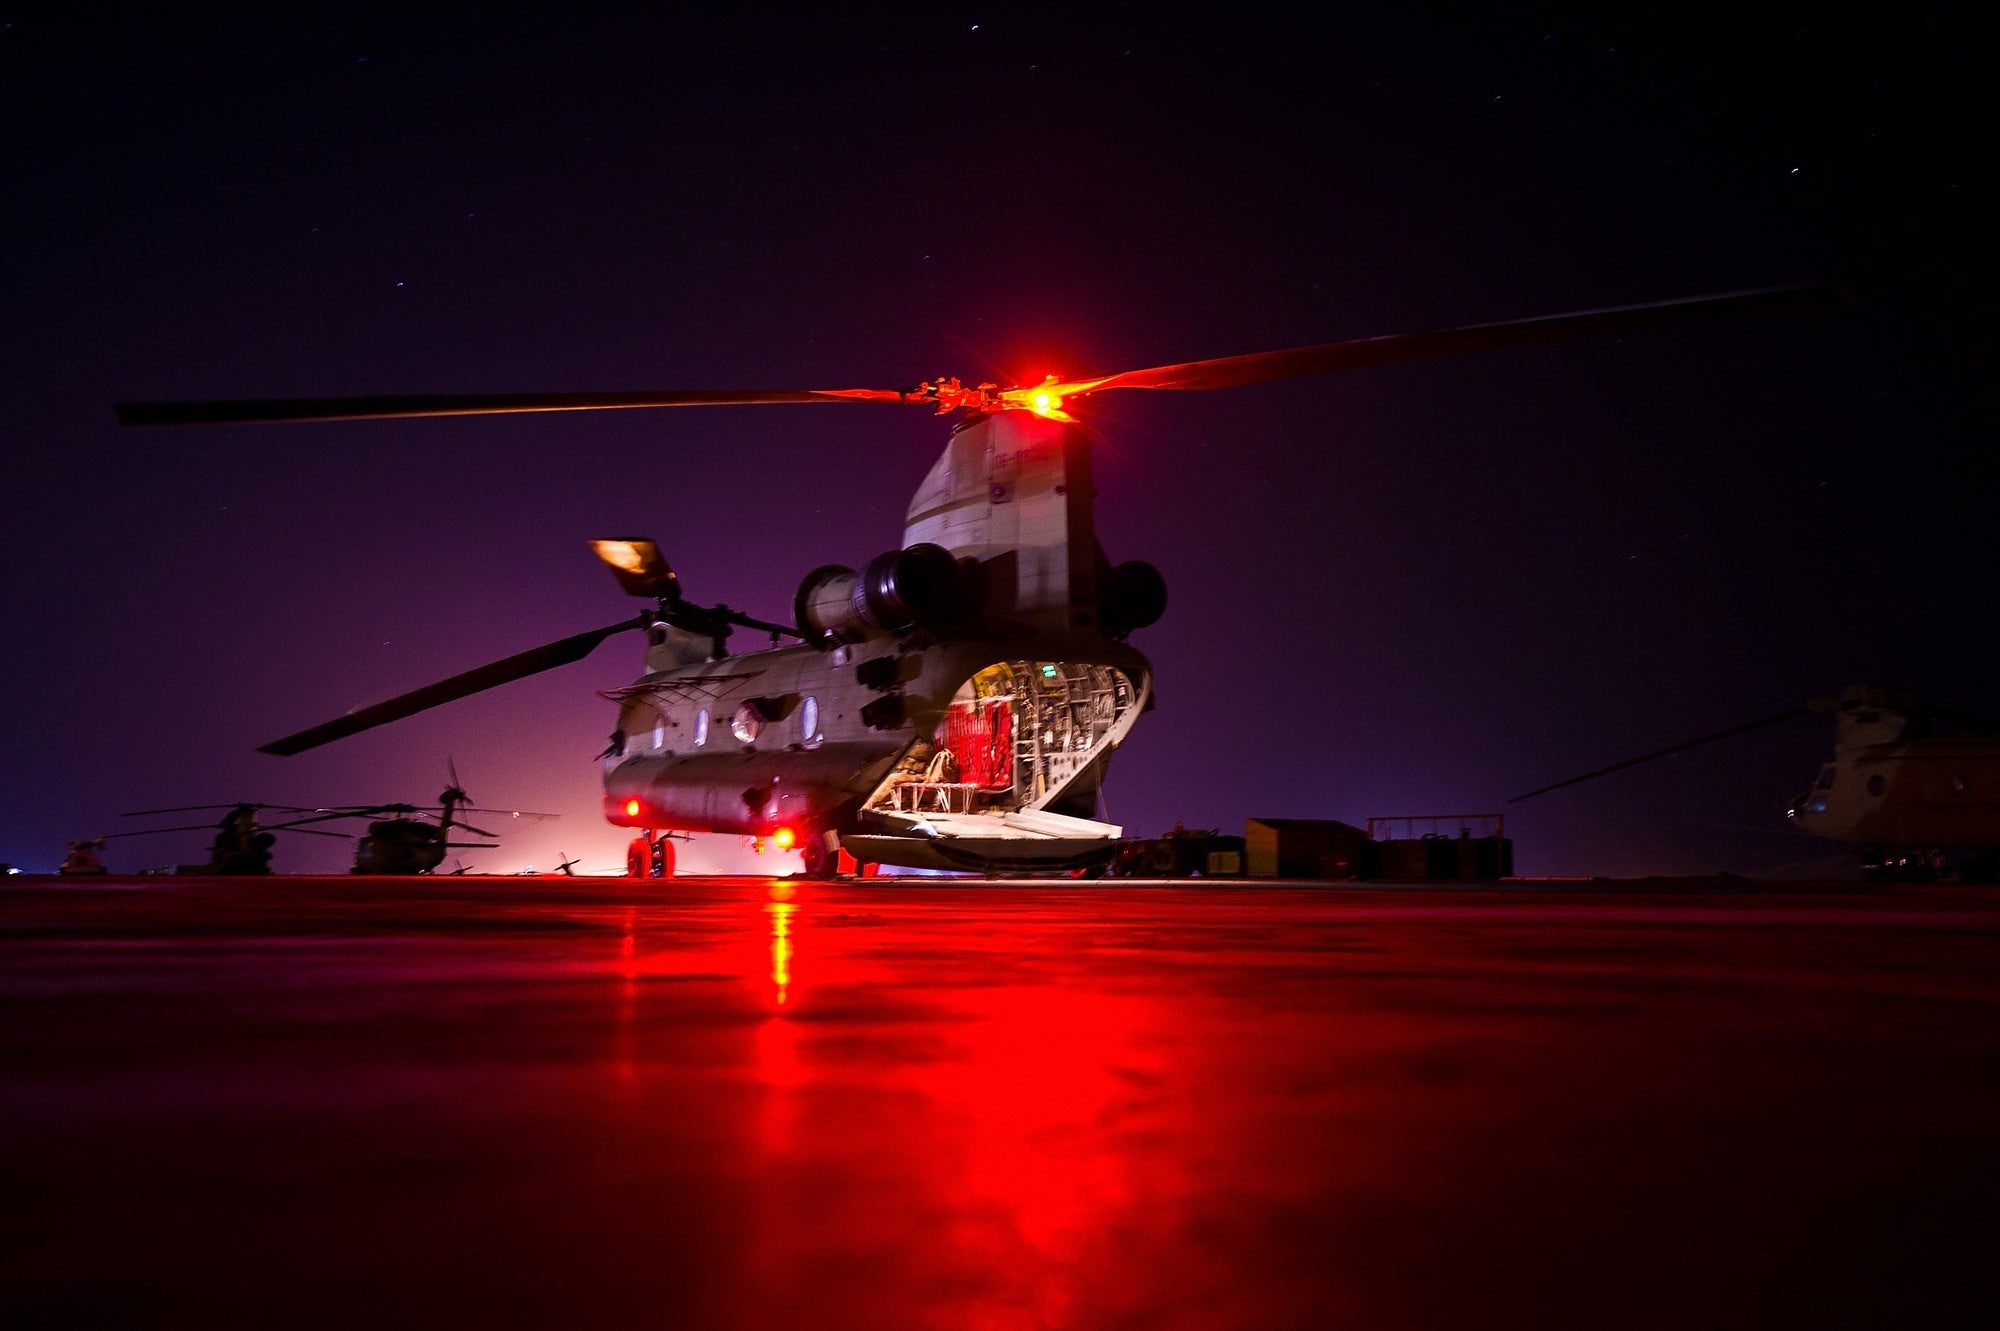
743,1103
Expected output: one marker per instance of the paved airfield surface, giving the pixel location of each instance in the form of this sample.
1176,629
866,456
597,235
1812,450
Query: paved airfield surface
748,1103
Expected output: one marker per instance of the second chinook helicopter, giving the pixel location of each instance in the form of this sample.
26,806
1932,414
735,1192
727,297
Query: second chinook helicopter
1913,787
953,703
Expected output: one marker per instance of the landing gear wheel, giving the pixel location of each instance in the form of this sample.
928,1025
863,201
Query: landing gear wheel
819,862
639,858
663,857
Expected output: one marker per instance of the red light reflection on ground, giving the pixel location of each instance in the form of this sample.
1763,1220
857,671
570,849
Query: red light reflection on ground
752,1103
1036,1075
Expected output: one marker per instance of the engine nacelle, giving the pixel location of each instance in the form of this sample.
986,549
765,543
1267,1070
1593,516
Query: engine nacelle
1130,596
893,592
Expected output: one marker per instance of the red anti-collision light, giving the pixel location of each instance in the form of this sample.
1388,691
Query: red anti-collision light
785,838
631,808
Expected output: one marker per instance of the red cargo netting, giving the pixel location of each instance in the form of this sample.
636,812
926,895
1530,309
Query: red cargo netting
980,735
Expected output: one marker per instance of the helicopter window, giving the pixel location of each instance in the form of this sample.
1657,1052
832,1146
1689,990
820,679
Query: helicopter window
701,727
809,719
660,735
746,723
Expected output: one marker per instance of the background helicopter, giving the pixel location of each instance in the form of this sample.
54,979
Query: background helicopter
85,857
414,838
243,842
954,703
1914,788
411,840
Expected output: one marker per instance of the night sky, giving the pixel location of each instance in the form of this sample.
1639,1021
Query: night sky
1419,589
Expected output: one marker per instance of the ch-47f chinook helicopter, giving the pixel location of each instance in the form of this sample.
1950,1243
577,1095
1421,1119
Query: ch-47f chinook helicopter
952,704
1914,788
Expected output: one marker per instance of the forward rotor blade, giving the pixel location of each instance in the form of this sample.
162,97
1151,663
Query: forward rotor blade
518,666
477,831
1668,752
1368,352
274,410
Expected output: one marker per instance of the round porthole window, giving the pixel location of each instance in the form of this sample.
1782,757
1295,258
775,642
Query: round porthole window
809,720
746,723
701,727
1877,784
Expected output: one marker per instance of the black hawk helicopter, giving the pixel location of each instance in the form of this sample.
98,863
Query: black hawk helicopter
412,839
243,841
954,703
1913,787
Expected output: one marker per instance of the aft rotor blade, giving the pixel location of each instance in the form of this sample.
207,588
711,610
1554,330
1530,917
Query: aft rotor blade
1368,352
518,666
1744,729
275,410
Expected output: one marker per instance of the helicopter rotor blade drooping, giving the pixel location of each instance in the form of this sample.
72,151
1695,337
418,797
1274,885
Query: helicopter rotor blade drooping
945,395
518,666
276,411
640,569
1667,752
1397,348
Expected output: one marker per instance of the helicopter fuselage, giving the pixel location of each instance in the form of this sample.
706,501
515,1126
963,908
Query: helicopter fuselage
1901,792
972,738
1941,794
876,736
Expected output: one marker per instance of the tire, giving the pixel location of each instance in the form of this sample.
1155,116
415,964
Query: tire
663,857
819,863
639,858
